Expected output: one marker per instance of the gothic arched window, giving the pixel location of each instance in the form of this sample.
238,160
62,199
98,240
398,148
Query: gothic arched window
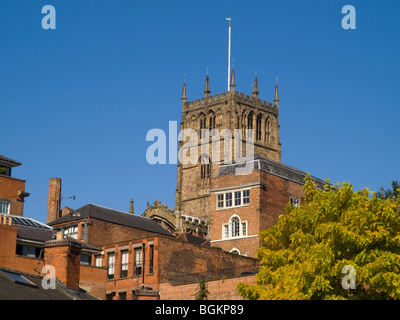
205,167
250,122
258,127
202,124
235,227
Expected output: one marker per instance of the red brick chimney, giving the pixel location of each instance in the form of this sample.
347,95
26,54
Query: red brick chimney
8,240
54,200
64,255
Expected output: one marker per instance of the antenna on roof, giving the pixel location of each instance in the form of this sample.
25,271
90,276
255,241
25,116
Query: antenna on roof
229,54
62,198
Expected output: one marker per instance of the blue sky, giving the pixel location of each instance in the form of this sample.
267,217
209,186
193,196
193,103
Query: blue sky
77,102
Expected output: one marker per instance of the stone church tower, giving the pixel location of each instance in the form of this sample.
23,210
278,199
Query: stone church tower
231,110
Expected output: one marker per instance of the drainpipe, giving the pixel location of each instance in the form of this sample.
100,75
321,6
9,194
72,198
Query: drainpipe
143,260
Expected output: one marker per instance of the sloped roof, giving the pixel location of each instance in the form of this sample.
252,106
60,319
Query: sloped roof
113,216
17,286
268,166
9,162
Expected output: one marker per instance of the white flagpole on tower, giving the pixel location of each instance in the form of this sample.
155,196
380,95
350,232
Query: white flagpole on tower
229,55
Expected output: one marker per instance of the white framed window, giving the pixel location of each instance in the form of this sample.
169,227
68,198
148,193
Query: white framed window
226,231
71,232
98,261
238,198
235,251
246,196
244,228
233,199
295,202
220,200
234,228
4,207
111,265
124,264
228,199
137,268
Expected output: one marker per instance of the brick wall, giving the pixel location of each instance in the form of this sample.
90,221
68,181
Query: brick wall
269,195
220,289
92,279
8,242
102,232
64,256
181,262
9,188
132,282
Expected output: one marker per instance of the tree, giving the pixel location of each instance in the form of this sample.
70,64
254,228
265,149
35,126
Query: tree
390,193
203,292
303,255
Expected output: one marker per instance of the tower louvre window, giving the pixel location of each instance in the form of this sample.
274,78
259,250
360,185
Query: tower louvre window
267,130
258,127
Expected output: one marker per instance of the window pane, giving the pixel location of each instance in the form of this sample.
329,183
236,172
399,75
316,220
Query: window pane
4,207
124,264
295,202
244,229
226,231
220,200
86,259
98,261
138,262
235,227
151,264
246,196
238,199
228,199
111,261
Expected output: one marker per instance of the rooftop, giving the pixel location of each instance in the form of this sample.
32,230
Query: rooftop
9,162
113,216
268,166
15,285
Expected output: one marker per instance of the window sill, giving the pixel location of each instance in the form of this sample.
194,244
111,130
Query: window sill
234,207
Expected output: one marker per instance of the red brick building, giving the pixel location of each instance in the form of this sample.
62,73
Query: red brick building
27,246
12,190
243,205
139,255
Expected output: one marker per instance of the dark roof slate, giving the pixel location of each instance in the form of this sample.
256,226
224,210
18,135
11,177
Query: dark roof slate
113,216
12,289
9,162
269,166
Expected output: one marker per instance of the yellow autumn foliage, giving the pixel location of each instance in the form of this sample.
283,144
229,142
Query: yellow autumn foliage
302,256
